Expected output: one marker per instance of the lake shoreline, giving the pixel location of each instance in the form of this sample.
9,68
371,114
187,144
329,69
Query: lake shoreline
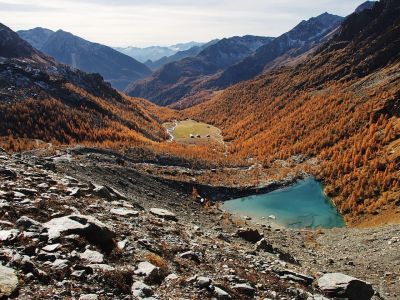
300,205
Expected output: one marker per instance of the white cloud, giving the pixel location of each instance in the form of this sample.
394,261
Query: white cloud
162,22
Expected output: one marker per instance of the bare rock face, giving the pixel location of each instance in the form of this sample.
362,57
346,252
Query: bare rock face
88,227
8,282
344,286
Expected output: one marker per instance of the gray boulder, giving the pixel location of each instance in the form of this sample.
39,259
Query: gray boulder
344,286
88,227
92,256
163,213
27,223
8,235
221,294
150,272
88,297
203,282
125,212
108,193
141,290
8,282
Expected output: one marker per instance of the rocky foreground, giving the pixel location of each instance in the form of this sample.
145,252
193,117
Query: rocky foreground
93,227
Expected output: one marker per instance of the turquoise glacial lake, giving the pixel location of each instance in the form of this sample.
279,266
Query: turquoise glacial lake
302,205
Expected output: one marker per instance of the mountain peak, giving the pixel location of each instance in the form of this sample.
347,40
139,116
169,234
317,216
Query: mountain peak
12,46
327,19
364,6
36,36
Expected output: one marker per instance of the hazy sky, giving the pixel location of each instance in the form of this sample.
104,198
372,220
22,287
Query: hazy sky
164,22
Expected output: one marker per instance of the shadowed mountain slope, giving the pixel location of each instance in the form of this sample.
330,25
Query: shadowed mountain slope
178,79
115,67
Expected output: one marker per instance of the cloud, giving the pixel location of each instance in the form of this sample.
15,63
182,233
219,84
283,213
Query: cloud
19,7
138,22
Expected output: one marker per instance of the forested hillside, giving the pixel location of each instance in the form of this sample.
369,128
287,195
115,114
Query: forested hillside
42,99
341,106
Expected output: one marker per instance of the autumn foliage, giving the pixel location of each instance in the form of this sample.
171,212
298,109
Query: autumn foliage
341,106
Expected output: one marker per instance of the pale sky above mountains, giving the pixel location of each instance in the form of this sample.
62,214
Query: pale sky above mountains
166,22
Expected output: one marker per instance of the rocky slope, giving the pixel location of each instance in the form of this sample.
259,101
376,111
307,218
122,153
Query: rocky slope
116,68
69,229
178,79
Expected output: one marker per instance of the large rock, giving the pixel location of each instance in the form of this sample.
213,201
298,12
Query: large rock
344,286
191,255
297,277
150,272
86,226
8,282
244,289
264,245
27,223
92,256
108,192
203,282
220,294
8,174
102,267
249,234
125,212
163,213
89,297
8,235
51,248
141,290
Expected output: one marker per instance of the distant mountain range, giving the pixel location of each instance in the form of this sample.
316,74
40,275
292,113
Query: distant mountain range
302,38
155,53
115,67
191,52
191,81
177,79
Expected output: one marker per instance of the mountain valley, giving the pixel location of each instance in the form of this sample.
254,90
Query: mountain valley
115,172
